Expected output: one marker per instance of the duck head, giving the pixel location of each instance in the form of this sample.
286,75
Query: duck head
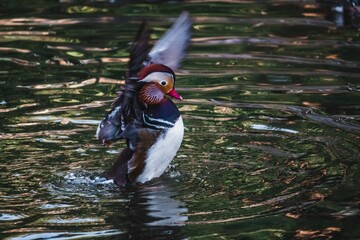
156,81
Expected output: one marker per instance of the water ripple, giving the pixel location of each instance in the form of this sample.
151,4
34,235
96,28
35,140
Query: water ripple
67,235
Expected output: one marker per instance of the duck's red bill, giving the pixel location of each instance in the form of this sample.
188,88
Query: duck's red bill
174,94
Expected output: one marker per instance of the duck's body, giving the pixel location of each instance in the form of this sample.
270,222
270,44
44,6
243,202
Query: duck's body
142,114
162,151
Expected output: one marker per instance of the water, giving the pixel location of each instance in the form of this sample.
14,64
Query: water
271,147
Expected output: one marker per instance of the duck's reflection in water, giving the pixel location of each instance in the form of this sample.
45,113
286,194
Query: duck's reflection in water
153,212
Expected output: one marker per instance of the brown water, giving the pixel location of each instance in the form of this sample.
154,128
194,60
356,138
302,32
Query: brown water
271,110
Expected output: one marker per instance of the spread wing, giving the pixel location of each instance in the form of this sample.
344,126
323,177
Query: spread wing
170,48
124,108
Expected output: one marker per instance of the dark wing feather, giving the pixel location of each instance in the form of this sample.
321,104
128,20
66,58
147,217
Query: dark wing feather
139,52
124,108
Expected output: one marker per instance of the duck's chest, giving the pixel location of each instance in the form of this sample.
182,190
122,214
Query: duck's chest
161,116
161,153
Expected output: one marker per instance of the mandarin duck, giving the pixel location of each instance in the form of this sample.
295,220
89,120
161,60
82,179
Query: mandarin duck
142,113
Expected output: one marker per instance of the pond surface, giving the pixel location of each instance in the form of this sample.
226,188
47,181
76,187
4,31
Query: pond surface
271,109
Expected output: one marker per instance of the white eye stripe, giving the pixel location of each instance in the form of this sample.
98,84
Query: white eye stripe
158,77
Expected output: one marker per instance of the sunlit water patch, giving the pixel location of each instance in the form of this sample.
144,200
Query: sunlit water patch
66,235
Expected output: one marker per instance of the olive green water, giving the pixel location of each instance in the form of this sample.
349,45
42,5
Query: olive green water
271,109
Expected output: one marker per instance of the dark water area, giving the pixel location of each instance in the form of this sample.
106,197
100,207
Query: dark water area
271,109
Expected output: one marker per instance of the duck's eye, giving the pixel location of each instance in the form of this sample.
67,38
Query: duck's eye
163,83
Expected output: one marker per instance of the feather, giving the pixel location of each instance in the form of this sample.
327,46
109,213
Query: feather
170,48
125,108
139,52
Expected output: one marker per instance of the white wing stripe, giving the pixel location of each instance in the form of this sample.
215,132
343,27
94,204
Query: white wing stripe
157,122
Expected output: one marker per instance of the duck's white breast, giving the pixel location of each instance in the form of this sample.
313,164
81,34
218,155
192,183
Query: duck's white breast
162,152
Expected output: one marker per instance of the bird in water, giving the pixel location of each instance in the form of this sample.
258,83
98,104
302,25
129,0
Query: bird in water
143,114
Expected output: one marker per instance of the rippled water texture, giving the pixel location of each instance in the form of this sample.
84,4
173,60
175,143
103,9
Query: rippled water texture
271,109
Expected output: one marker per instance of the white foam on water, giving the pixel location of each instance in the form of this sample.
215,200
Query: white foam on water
81,178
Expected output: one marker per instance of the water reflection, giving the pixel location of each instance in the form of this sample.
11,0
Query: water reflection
152,211
161,206
303,112
284,59
68,235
